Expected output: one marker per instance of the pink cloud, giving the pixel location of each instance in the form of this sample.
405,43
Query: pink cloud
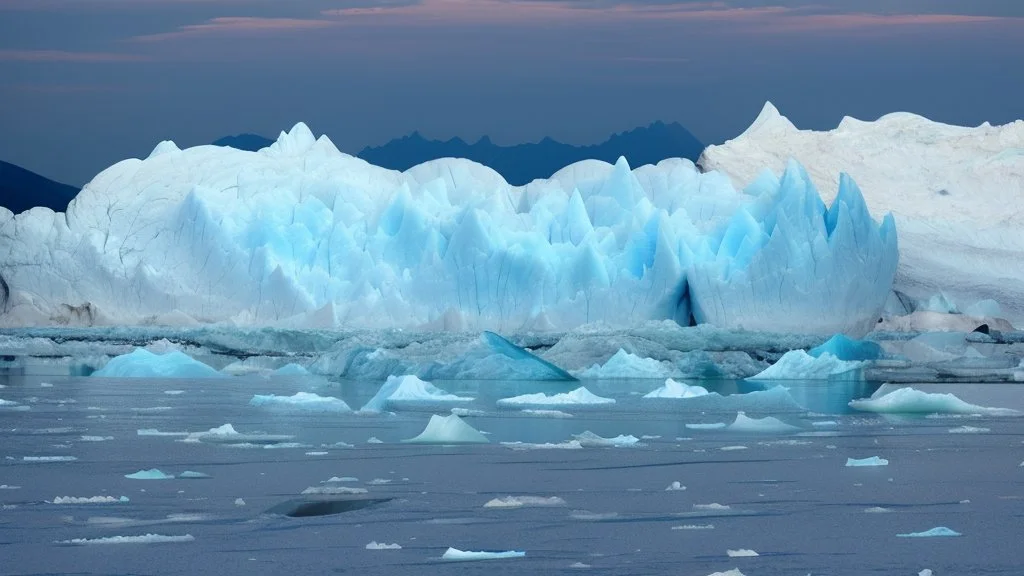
811,22
67,56
240,25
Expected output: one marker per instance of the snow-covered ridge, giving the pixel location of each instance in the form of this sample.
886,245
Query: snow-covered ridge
300,234
957,193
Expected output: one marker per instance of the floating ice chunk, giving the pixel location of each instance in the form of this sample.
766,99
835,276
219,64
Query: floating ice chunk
174,392
590,440
733,572
144,364
848,349
374,440
673,389
456,554
304,401
524,501
409,390
675,485
155,432
732,448
7,402
741,553
714,507
579,565
872,461
969,430
912,401
143,539
578,397
467,412
89,500
625,365
570,445
707,426
239,502
9,487
291,369
932,533
799,365
151,474
925,572
190,475
694,527
766,425
45,385
877,510
95,438
226,434
341,479
825,424
334,490
379,482
382,546
49,459
448,430
546,413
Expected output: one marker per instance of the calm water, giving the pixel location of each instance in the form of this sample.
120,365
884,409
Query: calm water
790,496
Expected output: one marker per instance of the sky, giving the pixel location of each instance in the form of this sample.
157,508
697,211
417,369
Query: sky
86,83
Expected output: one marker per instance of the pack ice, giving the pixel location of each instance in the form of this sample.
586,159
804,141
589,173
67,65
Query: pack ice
302,235
956,193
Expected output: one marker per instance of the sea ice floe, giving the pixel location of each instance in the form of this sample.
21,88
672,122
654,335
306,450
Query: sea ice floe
239,502
741,553
9,487
872,461
304,401
588,439
524,501
938,531
546,413
333,490
569,445
969,430
733,572
714,507
677,390
379,482
155,432
448,430
467,412
226,434
912,401
49,458
374,440
89,500
190,475
766,425
143,539
732,448
151,474
877,510
340,479
382,546
456,554
707,426
95,438
694,527
578,397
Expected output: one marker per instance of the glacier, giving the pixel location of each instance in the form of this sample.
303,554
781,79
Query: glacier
300,235
954,192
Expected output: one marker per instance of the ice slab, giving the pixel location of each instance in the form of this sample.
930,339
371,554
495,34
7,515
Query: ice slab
448,430
939,531
570,445
766,425
872,461
144,364
741,553
578,397
456,554
912,401
677,390
590,440
151,474
190,475
89,500
546,413
408,391
226,434
733,572
383,546
524,502
304,401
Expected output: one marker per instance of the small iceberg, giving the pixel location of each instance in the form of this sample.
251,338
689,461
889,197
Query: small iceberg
766,425
151,474
49,458
590,440
448,430
89,500
676,485
969,430
677,390
409,390
144,364
305,401
226,434
799,365
741,553
456,554
707,426
940,531
912,401
578,397
382,546
144,539
190,475
872,461
625,365
524,501
848,349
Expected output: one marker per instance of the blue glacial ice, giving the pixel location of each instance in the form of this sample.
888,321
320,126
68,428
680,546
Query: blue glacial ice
301,235
912,401
144,364
848,349
872,461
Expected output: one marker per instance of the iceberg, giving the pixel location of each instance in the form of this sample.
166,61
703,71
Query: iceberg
847,349
524,501
799,365
872,461
677,390
456,554
383,546
578,397
89,500
300,235
625,365
950,190
932,533
409,390
766,425
912,401
144,364
304,401
590,440
448,430
151,474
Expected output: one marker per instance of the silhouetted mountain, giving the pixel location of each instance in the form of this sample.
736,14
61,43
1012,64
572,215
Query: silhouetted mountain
521,163
21,189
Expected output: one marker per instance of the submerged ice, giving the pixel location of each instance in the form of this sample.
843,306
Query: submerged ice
300,234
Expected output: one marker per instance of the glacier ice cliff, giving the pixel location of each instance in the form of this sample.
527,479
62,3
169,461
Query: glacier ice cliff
301,235
956,193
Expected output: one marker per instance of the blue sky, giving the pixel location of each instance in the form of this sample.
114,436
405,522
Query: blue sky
85,83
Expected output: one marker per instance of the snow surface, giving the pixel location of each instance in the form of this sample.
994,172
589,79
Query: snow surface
456,554
304,401
677,390
448,430
578,397
409,390
302,235
956,194
912,401
144,364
